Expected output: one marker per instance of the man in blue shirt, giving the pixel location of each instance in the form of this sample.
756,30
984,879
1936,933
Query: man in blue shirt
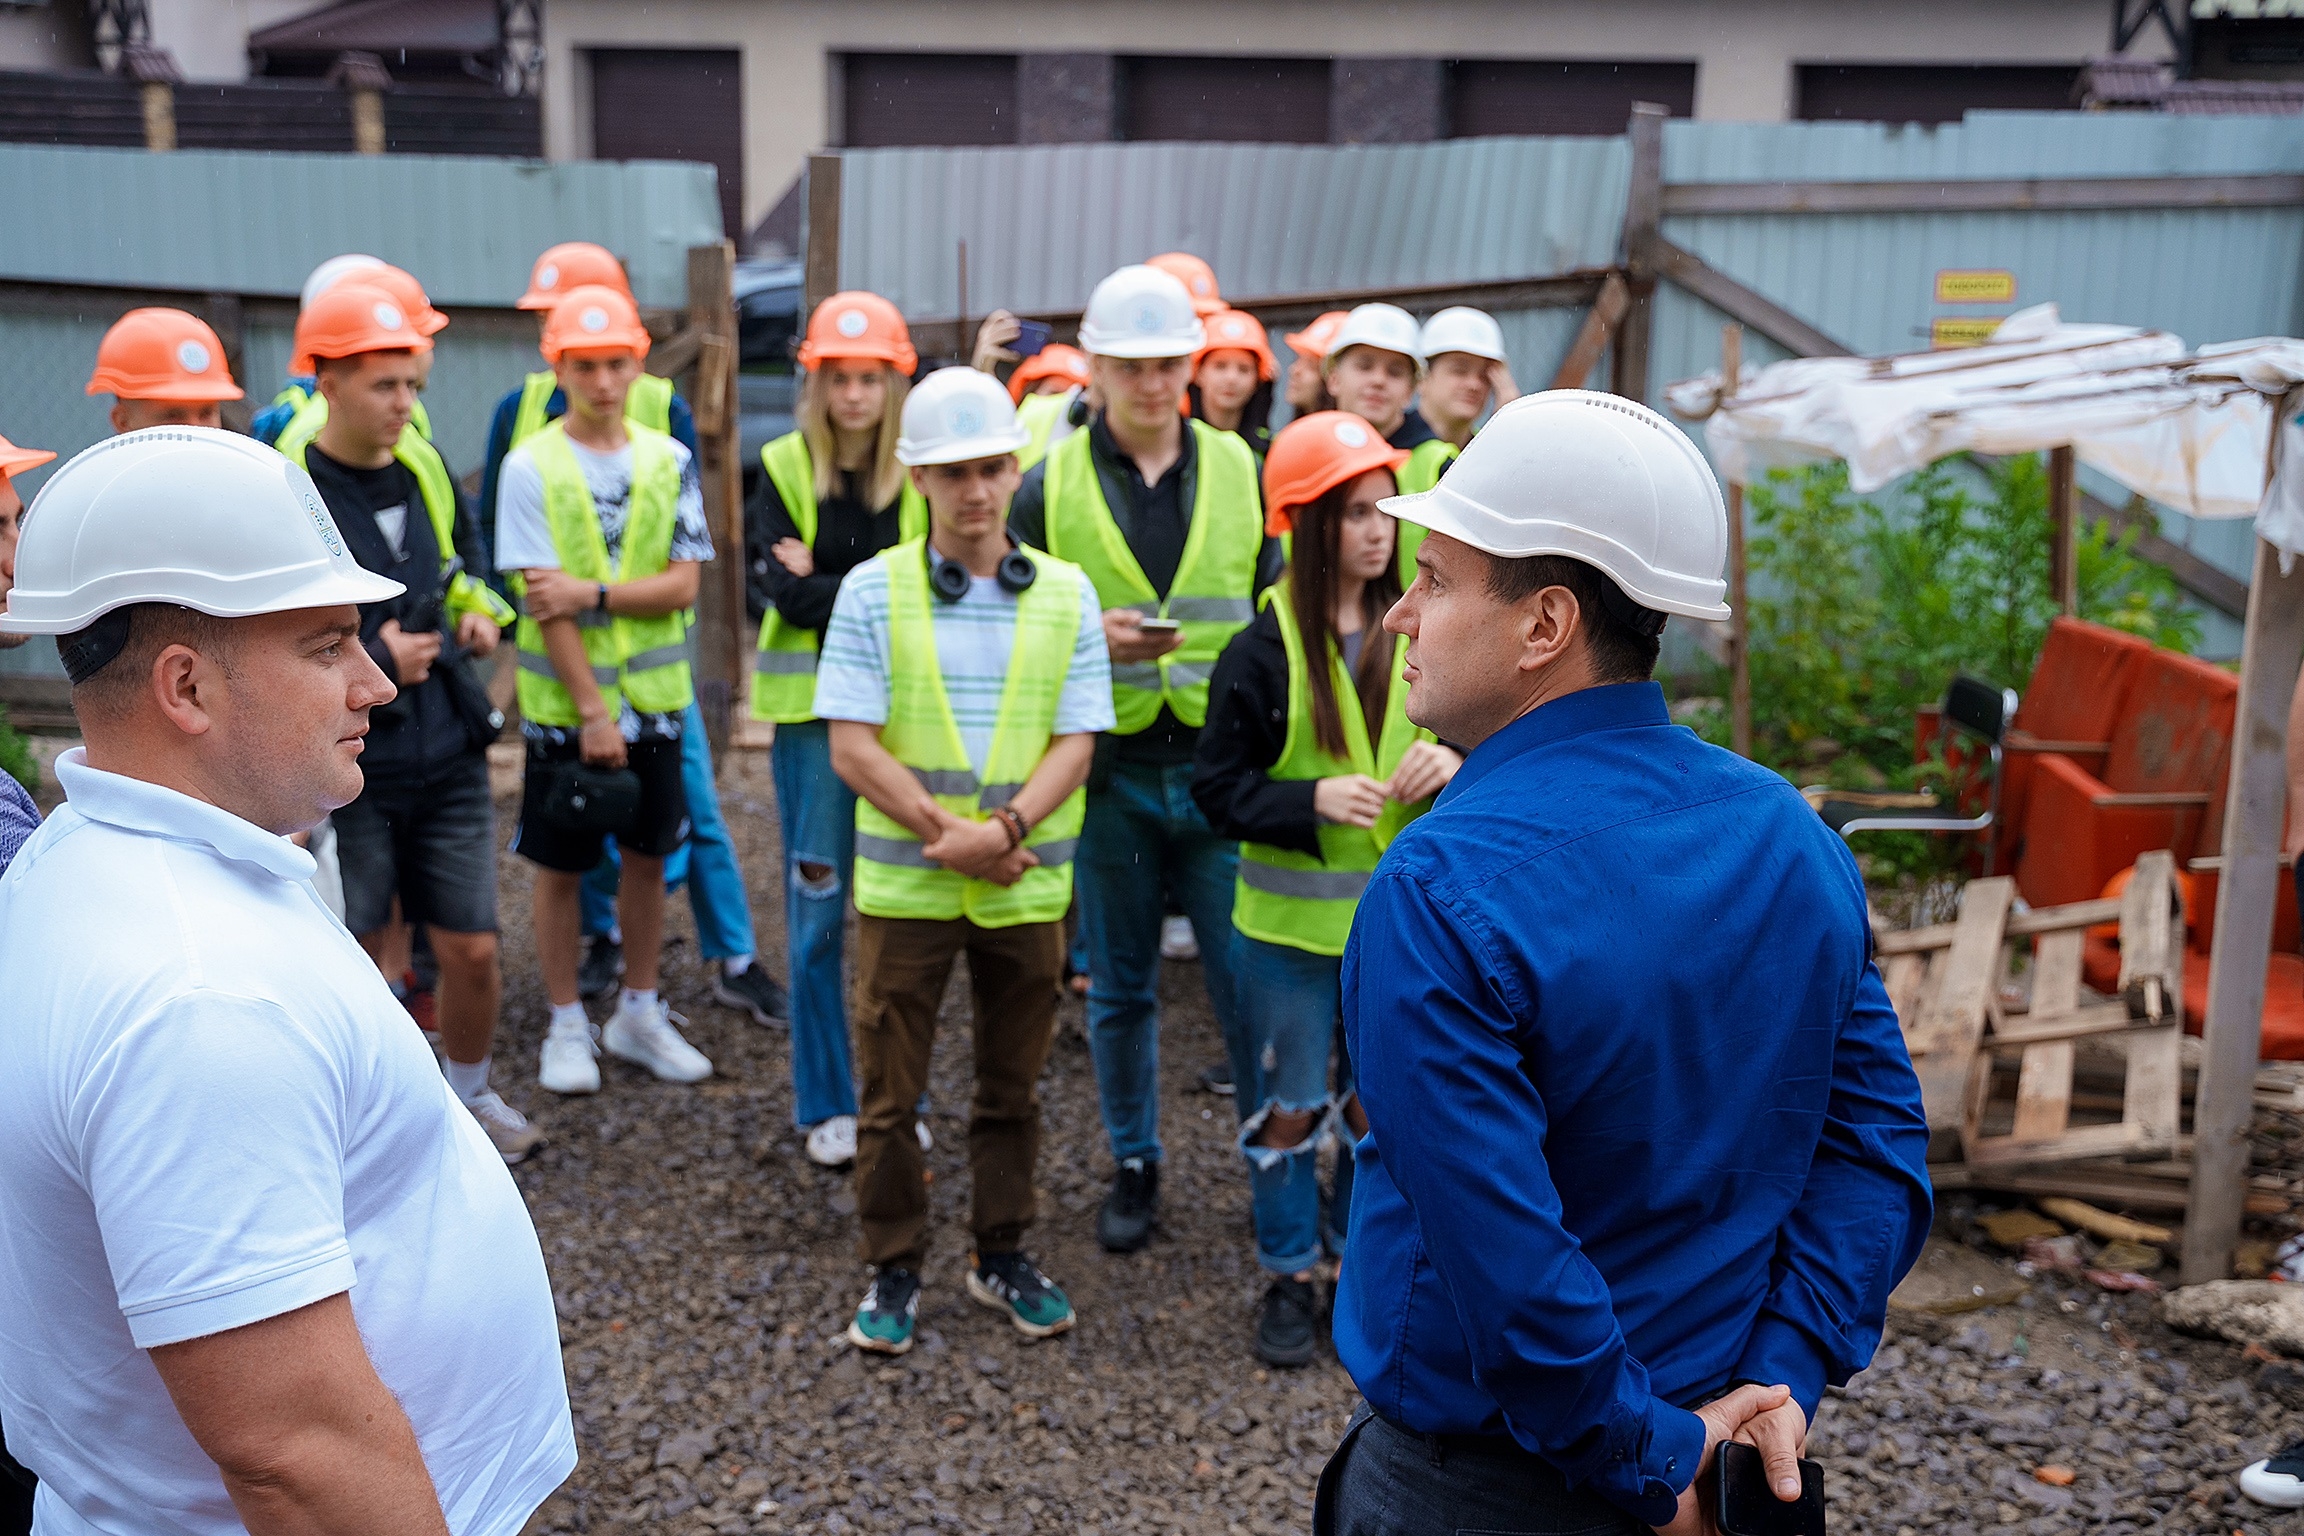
1646,1152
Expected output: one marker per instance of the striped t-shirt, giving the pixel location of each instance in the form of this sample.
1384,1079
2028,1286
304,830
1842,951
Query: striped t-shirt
974,638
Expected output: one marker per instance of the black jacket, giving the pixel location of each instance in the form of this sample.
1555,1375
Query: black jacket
847,534
1247,730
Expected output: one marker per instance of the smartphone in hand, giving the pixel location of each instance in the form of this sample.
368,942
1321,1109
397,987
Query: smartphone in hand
1160,626
1031,336
1749,1507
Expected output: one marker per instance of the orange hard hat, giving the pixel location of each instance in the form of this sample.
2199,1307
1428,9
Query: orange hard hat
594,318
1198,278
862,328
1312,456
405,291
1053,361
1233,330
572,264
356,316
162,354
1313,340
15,460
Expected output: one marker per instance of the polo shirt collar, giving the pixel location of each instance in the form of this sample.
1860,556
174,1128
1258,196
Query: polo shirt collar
151,810
1610,707
1107,451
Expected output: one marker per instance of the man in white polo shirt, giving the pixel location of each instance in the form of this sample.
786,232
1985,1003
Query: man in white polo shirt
262,1271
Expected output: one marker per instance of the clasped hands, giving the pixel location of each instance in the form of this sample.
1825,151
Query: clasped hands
977,849
1765,1418
1356,800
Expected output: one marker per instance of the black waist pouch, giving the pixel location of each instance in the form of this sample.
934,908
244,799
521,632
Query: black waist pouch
593,799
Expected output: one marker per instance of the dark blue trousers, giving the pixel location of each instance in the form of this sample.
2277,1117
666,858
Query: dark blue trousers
1386,1481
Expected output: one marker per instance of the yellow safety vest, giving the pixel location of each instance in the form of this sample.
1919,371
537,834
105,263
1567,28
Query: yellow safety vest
893,878
643,659
649,403
467,593
1040,415
312,414
1427,461
1285,897
1214,593
784,668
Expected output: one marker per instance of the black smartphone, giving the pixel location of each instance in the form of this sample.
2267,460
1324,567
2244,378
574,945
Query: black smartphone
1160,626
1749,1507
1031,336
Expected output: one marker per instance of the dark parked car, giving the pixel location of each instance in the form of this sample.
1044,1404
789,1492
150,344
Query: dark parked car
767,333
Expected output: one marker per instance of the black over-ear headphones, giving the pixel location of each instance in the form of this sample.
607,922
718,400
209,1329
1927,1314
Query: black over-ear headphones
949,579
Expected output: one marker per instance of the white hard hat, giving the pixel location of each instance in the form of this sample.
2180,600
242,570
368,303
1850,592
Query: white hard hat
1140,312
1597,478
194,516
1386,327
1463,329
334,270
958,414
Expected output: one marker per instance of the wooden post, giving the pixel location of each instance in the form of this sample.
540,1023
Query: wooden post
2246,893
821,277
1739,628
2064,522
159,101
1643,209
721,620
1608,306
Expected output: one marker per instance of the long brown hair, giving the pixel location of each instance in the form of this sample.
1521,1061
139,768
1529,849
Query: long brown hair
883,477
1315,553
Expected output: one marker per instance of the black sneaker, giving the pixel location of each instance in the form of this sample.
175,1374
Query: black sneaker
602,967
1217,1079
1287,1330
884,1319
1011,1283
752,990
1126,1220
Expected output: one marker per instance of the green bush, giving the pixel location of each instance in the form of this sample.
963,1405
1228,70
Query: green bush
16,756
1864,608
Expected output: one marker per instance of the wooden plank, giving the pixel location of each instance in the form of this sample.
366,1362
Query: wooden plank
1643,207
2043,1094
1903,976
2063,530
1950,1018
1739,302
2087,1141
2056,974
2077,914
1905,941
2150,946
1608,307
820,278
2134,1192
2256,800
721,626
2103,1019
2044,195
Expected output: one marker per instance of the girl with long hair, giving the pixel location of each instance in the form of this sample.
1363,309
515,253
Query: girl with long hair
1232,379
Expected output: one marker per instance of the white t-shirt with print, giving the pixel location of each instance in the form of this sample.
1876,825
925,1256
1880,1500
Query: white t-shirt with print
212,1112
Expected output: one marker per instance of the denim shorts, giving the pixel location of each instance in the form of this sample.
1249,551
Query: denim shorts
429,839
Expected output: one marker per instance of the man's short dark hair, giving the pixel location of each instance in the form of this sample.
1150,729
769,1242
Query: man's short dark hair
112,658
1620,652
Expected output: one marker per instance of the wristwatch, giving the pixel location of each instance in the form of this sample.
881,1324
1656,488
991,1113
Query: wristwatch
602,602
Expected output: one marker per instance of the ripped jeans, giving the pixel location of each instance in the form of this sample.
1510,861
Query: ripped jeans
817,815
1291,1007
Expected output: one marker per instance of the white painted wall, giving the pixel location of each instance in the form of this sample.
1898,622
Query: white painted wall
1745,49
210,37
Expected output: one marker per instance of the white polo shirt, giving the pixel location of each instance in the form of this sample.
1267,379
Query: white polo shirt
212,1112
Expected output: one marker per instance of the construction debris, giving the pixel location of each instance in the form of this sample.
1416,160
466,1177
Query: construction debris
2261,1312
2114,1229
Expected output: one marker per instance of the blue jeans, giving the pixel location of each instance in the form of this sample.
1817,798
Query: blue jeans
817,815
707,861
1290,1006
1144,833
1386,1481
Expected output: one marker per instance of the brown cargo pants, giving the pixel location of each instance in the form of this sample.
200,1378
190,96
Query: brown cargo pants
902,966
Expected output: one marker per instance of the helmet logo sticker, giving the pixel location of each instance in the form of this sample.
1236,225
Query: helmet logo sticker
964,421
388,316
1151,319
321,520
594,319
548,276
191,356
1201,285
1234,328
852,323
1351,434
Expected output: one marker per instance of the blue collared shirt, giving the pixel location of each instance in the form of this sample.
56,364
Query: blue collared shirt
1641,1121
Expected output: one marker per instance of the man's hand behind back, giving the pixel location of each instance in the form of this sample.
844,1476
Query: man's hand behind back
1727,1418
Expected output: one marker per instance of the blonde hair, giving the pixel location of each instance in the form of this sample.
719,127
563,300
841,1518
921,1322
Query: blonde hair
884,478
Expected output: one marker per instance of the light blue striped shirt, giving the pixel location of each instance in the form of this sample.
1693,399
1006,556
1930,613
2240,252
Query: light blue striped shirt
974,638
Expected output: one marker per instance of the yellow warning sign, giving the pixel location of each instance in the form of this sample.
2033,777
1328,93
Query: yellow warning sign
1956,285
1962,333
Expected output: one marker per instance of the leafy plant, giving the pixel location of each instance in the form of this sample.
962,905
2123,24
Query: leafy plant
16,756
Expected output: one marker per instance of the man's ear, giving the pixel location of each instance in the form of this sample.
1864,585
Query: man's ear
182,681
1550,622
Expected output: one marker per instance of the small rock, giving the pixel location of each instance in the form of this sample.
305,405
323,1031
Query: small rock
2243,1311
2055,1476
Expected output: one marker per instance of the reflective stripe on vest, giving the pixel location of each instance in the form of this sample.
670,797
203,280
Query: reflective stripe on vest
1286,897
649,404
784,667
467,593
643,659
1213,594
1427,461
893,877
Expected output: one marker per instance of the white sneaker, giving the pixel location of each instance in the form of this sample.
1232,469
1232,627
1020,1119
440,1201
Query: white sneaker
571,1061
2277,1480
832,1143
1177,941
508,1129
645,1037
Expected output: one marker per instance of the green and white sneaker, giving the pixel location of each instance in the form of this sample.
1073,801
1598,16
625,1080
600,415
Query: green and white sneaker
1011,1283
884,1318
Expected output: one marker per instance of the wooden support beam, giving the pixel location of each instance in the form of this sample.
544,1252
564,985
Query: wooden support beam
1643,209
2064,529
1739,623
720,627
820,279
1608,306
1738,302
2255,803
2039,195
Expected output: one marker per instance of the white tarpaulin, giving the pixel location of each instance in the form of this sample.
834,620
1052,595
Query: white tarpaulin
2186,432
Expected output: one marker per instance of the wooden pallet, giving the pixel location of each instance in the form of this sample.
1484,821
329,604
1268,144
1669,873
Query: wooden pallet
2144,1023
